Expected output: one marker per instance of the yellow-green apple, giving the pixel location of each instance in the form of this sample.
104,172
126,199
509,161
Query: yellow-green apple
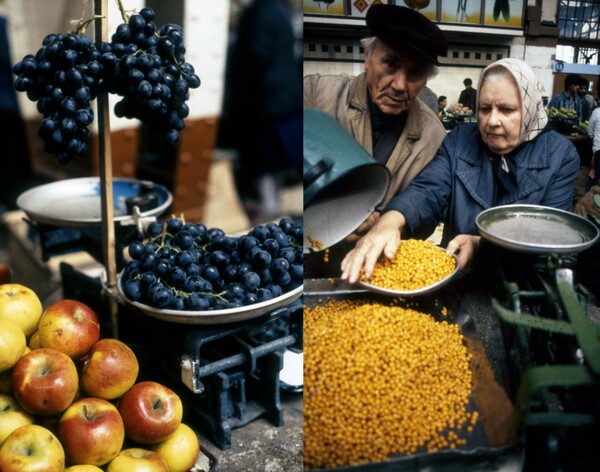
12,416
21,305
180,450
83,468
151,412
45,382
91,431
12,344
69,326
109,369
34,341
136,459
32,448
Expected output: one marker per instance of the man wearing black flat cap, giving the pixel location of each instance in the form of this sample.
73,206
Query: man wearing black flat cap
379,107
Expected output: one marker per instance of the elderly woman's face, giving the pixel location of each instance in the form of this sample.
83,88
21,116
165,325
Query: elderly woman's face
394,79
499,114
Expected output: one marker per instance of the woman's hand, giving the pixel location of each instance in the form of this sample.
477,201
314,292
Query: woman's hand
363,228
383,237
464,246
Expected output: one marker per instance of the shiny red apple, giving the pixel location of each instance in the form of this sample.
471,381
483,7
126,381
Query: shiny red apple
45,382
69,326
109,369
91,431
151,412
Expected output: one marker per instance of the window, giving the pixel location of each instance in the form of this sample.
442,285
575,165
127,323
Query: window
578,19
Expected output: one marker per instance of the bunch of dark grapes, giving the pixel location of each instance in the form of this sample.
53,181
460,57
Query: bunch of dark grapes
63,77
186,266
143,64
151,74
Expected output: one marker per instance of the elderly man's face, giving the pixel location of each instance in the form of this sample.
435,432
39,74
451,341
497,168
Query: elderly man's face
394,78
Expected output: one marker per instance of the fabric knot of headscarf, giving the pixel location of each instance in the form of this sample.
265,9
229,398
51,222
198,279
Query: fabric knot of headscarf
534,114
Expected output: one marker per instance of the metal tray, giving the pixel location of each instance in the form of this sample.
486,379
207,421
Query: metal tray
417,292
212,317
536,229
493,444
77,202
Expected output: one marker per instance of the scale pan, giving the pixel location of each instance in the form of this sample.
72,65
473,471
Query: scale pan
214,317
536,229
77,202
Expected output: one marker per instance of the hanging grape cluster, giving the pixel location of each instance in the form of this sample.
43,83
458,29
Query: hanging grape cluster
143,64
187,266
151,74
63,77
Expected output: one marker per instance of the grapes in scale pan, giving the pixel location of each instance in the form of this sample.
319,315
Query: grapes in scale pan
143,64
187,266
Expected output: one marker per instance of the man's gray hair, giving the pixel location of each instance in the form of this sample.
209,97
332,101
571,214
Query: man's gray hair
370,43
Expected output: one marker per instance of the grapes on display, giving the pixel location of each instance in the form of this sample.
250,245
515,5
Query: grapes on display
187,266
63,77
143,64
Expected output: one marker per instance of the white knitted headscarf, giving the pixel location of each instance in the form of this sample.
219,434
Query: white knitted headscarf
534,115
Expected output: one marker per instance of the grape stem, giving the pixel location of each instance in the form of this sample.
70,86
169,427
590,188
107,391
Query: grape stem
124,15
82,25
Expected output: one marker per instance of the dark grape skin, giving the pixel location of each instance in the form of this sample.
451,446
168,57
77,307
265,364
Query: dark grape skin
59,79
69,71
162,79
228,272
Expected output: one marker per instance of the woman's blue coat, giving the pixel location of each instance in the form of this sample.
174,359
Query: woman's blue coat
459,183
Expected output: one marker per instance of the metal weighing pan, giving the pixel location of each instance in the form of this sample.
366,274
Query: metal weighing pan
413,293
77,202
536,229
211,317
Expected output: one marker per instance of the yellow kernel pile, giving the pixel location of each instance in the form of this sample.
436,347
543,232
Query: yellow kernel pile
381,380
417,264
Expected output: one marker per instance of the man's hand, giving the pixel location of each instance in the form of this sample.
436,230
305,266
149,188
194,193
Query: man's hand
383,237
363,228
464,246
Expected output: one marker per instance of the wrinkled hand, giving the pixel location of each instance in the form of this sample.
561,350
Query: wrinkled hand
363,228
383,237
464,246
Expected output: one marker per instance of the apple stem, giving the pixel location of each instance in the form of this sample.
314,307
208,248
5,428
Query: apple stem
86,413
157,404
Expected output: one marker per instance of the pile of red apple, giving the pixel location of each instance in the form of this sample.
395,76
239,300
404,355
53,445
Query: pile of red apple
71,399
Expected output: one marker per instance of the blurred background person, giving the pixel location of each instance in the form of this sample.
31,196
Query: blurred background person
587,99
468,97
569,97
262,112
442,103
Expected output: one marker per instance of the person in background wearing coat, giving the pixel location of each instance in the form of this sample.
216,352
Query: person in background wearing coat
468,97
509,156
380,107
569,98
442,102
263,106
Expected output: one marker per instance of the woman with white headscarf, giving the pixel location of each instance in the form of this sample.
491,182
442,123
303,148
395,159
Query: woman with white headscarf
510,156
